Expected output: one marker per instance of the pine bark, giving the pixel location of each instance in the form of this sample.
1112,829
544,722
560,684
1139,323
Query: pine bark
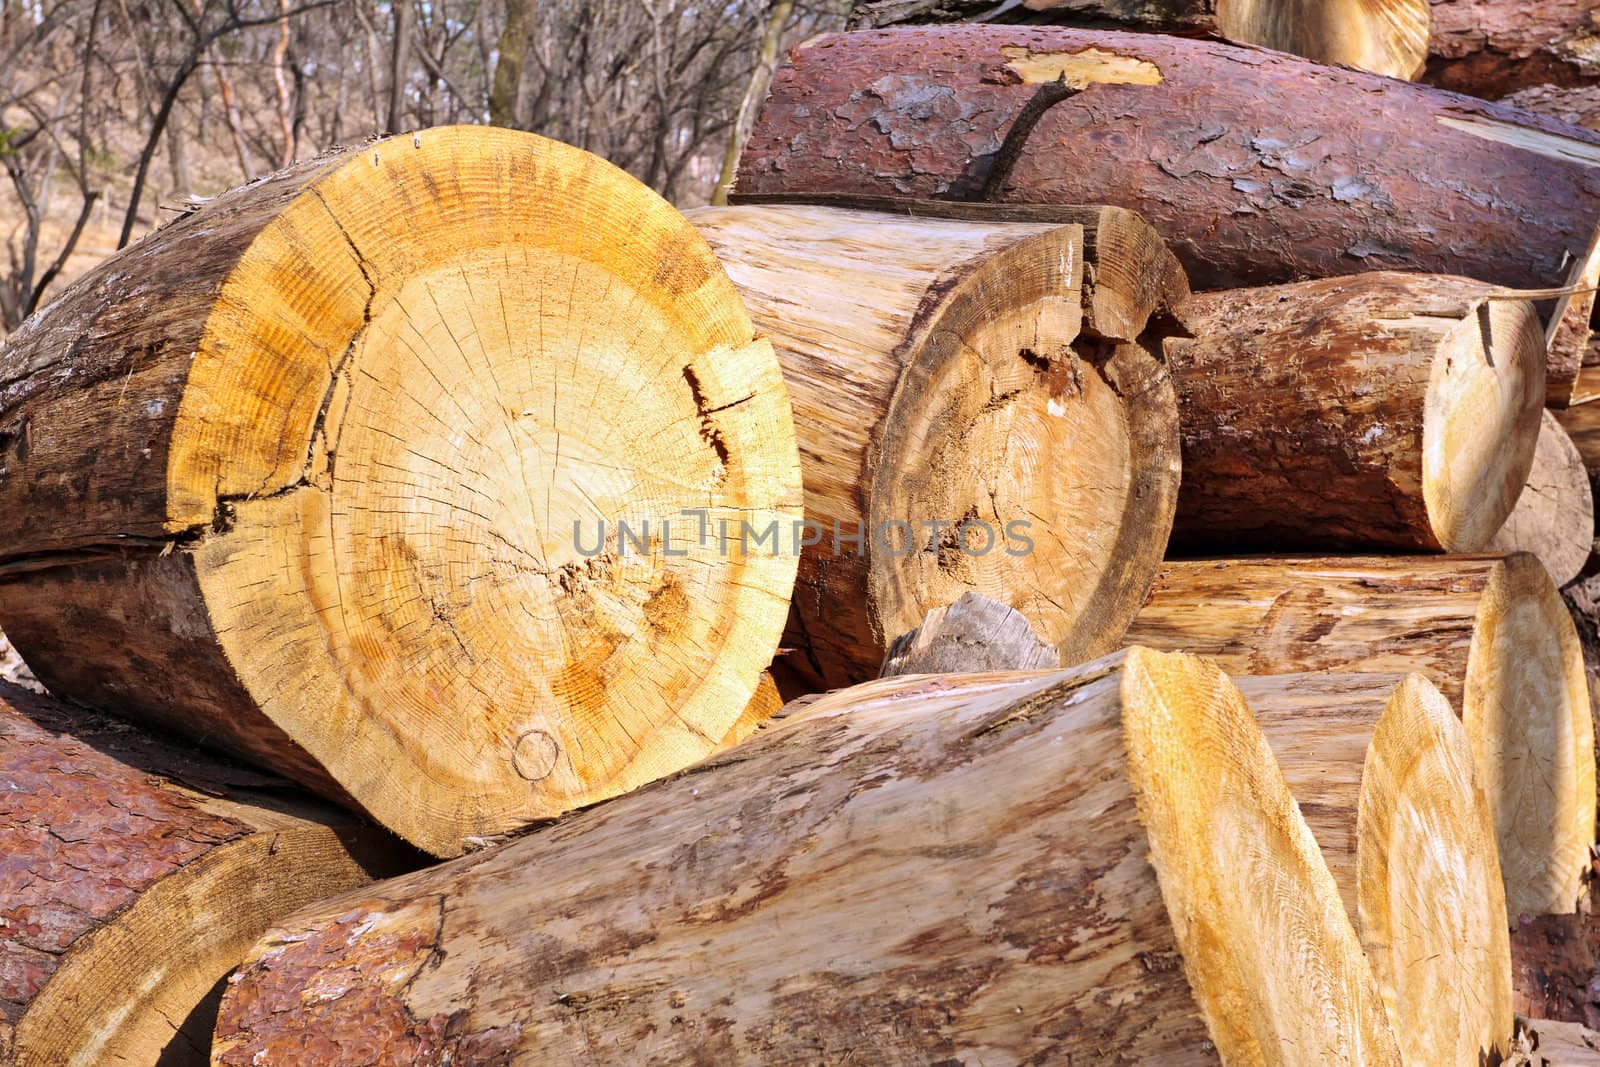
1070,841
1492,48
135,874
337,451
977,408
1258,168
1491,632
1382,410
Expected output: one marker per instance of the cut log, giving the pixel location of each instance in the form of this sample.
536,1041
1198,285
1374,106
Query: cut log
762,707
134,875
1491,48
1043,867
1491,632
1258,168
971,636
1382,410
1382,36
970,408
1383,773
1554,516
365,472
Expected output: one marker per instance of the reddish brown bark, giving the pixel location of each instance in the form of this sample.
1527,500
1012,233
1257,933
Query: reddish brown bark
1491,48
108,834
1257,167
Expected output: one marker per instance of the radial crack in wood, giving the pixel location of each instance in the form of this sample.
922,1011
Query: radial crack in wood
973,415
385,457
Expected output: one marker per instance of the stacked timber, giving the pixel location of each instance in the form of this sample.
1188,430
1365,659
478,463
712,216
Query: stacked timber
134,874
1258,168
371,473
1383,772
838,889
978,409
1491,632
1381,410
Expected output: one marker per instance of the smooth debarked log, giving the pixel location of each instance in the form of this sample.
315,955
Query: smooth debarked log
1382,36
1554,516
371,472
1491,632
1383,773
973,415
1044,867
1258,168
1381,410
135,874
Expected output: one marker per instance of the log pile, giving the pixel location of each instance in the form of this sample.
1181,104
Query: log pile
355,606
457,481
133,876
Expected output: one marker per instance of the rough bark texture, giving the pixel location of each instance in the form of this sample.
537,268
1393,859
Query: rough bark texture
1575,107
1382,36
971,636
336,451
133,876
1491,48
916,871
1258,168
1554,516
1491,632
1385,409
973,413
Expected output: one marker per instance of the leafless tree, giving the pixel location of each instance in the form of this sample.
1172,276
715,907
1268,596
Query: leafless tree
94,94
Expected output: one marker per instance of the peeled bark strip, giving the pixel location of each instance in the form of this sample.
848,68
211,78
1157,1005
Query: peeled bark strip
1038,866
318,474
1491,48
1382,36
1258,168
1382,410
134,875
971,636
973,409
1491,632
1383,773
1554,516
